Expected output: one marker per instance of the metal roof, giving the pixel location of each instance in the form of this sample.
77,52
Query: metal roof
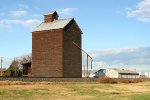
126,71
50,12
56,24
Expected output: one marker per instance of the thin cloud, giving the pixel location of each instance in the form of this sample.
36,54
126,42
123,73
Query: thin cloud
26,23
22,6
67,11
18,13
131,56
127,58
141,12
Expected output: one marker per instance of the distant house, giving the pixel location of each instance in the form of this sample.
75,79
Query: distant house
117,73
142,76
147,74
100,73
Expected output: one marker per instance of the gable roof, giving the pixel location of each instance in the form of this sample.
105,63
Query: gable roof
126,71
26,63
56,24
50,12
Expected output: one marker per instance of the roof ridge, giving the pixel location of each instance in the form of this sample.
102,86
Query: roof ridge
64,19
56,24
50,12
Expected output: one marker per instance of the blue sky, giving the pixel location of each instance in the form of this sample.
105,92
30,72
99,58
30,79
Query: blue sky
110,25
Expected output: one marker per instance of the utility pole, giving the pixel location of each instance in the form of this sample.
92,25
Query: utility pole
1,65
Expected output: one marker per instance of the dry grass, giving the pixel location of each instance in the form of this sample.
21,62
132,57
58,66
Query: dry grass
121,80
73,91
134,80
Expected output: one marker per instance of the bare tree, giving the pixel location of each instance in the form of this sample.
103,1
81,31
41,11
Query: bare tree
26,58
14,64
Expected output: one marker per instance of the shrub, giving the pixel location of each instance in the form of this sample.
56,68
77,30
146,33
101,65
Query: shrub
11,72
106,80
123,80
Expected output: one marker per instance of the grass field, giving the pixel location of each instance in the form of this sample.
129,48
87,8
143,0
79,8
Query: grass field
73,91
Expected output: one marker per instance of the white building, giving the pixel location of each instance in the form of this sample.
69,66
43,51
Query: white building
147,74
100,73
117,73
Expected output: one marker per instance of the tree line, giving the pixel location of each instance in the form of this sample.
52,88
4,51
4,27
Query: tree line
15,68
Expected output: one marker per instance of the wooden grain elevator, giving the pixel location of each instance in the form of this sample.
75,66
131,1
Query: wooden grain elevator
53,51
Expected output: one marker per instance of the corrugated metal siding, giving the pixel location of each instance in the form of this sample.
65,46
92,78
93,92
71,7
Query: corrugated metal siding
126,71
57,24
128,76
